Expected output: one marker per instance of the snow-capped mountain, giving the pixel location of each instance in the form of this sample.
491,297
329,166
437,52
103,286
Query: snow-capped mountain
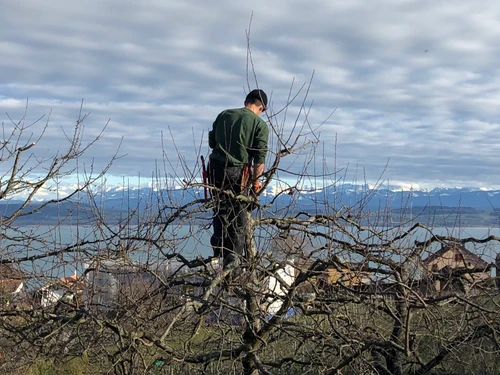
334,196
306,197
473,207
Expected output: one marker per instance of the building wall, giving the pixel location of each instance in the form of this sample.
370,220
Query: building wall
345,276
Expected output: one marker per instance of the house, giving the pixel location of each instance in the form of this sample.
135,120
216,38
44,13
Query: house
454,268
350,275
110,285
11,282
66,290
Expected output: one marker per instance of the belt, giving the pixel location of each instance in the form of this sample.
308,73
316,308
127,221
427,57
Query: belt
219,164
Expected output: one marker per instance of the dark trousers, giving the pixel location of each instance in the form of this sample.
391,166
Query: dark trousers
230,217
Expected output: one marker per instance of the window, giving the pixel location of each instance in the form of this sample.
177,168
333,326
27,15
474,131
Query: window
458,257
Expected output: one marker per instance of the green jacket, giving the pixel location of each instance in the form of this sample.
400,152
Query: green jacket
238,137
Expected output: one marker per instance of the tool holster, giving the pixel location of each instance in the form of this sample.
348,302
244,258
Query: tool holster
246,174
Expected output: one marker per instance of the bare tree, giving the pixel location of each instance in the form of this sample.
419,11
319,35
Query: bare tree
32,252
334,289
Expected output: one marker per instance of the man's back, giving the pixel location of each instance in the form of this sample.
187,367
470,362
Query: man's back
238,136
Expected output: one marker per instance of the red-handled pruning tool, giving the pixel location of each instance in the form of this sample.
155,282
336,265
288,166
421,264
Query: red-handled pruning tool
205,178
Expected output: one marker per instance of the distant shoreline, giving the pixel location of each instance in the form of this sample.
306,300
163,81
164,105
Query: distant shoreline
173,225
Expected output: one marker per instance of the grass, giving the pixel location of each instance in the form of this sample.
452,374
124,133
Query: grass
73,366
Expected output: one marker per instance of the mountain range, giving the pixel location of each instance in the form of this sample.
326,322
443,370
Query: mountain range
476,206
334,196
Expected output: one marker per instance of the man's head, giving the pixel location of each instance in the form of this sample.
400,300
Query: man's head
256,101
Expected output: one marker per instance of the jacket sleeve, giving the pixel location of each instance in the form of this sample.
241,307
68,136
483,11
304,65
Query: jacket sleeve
260,143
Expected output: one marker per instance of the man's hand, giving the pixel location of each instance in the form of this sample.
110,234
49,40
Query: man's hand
256,186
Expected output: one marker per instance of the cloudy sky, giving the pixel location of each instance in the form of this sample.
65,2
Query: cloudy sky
414,84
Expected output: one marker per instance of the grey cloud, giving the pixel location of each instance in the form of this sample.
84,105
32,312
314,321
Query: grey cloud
414,82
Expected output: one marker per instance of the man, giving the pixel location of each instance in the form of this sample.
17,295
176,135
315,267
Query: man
239,141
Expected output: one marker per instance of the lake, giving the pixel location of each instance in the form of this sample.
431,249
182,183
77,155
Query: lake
190,240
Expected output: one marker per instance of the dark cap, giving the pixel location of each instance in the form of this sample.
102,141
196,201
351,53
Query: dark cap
259,95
